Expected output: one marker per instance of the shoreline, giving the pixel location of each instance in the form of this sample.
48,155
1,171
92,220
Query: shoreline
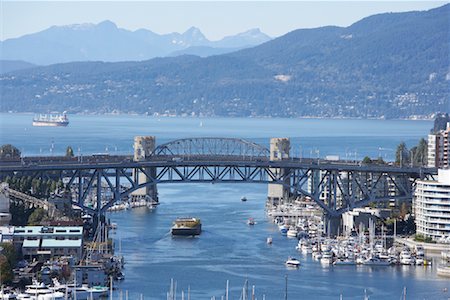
156,115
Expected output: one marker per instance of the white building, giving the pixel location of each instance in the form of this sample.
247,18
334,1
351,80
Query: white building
439,149
432,207
49,241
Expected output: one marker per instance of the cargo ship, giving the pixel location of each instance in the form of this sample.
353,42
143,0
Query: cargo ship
51,120
187,226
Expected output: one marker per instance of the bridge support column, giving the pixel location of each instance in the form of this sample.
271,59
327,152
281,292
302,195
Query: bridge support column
143,147
279,150
332,225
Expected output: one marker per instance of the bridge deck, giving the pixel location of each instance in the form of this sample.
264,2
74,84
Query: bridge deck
58,163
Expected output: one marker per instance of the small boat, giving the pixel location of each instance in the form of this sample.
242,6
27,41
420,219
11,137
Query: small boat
40,291
243,199
251,221
269,240
405,257
292,232
316,255
292,262
283,229
375,261
306,248
7,294
327,257
344,262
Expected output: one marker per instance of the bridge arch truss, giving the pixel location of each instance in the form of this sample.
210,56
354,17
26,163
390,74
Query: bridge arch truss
211,147
333,188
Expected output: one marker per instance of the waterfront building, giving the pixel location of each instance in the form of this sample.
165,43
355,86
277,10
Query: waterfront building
432,207
439,149
91,275
6,234
352,220
49,242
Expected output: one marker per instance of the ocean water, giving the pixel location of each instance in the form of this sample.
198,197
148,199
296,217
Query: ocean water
229,249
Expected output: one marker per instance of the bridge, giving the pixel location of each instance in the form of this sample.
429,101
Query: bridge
27,200
336,186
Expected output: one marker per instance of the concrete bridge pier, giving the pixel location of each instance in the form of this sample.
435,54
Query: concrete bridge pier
332,225
143,148
279,150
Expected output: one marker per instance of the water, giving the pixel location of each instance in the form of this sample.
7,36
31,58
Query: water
309,137
229,249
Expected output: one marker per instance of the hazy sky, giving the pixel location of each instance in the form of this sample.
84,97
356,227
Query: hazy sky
215,19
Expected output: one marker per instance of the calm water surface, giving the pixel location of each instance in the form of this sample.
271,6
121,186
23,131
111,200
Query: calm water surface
229,249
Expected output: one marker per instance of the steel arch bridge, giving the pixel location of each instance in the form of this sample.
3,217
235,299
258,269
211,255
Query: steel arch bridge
336,186
211,146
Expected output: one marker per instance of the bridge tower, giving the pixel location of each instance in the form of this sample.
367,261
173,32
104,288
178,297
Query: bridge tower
143,148
279,150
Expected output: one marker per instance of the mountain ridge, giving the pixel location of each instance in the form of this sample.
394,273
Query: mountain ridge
355,71
105,41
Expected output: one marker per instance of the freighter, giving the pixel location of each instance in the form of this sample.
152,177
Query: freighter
51,120
187,226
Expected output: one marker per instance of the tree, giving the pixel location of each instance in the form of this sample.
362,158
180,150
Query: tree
366,160
9,151
8,260
402,155
9,251
69,151
5,269
36,216
420,155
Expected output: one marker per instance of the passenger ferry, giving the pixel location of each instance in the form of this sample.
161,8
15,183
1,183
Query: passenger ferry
187,226
51,120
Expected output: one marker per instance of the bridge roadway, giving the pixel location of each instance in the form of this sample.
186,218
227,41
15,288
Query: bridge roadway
345,184
60,163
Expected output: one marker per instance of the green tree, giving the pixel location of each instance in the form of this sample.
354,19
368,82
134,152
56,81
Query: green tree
367,160
420,155
69,151
9,151
53,186
402,155
37,216
5,269
9,251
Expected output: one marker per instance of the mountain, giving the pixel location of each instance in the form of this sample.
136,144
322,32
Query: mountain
14,65
228,44
203,51
393,65
106,42
245,39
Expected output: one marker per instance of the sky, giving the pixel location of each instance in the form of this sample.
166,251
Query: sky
215,19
